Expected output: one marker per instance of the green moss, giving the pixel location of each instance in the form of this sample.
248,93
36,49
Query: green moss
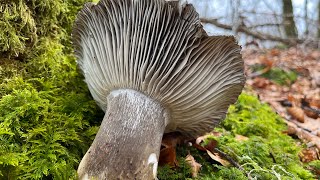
47,118
267,154
278,75
183,172
23,23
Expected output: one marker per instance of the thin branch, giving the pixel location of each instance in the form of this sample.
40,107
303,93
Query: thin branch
227,157
258,35
263,25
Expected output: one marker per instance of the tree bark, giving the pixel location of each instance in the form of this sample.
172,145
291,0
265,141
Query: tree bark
306,21
288,20
319,19
128,142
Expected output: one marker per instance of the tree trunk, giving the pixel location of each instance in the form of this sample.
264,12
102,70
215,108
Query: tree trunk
288,20
306,19
319,19
128,142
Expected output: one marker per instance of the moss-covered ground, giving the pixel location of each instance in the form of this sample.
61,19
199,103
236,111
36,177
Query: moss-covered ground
48,118
266,153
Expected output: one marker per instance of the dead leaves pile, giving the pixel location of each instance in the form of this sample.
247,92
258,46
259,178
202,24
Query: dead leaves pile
298,103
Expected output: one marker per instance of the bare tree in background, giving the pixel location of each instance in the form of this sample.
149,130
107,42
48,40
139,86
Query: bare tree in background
306,33
288,19
319,19
271,25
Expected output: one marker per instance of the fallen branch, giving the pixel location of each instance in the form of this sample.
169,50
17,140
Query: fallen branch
258,35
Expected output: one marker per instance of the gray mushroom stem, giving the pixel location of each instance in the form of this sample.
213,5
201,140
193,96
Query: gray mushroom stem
145,61
129,139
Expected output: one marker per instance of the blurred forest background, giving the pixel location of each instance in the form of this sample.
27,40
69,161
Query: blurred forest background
260,22
48,118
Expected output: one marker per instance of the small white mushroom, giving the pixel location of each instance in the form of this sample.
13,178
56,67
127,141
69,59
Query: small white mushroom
152,68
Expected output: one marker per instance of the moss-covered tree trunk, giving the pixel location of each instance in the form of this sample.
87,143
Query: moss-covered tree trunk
288,20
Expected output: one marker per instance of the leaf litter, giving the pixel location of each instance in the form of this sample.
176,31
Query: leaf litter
296,100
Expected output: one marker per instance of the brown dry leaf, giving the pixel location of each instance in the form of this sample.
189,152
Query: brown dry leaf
294,99
211,145
275,52
311,114
168,156
168,150
194,165
241,138
266,61
296,113
216,157
261,82
309,154
315,103
171,139
290,131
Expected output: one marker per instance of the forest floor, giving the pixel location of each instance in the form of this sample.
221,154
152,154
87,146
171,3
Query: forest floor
288,80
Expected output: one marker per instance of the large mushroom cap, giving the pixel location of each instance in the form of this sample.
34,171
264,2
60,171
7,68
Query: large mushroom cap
153,47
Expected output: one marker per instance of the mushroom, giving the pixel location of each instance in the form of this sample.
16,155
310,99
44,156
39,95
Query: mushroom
152,68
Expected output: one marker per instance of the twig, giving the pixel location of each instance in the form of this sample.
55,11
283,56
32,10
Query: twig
258,35
226,156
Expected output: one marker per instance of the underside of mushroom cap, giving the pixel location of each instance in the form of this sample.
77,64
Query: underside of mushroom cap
153,47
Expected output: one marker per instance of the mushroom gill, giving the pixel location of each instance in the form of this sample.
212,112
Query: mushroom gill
152,68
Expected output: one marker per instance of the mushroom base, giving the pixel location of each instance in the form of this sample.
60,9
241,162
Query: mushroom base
128,142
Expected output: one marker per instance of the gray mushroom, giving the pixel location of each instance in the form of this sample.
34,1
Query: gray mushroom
152,68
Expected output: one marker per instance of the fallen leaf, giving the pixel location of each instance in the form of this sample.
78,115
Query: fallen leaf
168,150
171,139
296,113
290,131
309,154
241,138
311,114
168,156
275,52
261,82
216,157
194,165
315,103
211,145
266,61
